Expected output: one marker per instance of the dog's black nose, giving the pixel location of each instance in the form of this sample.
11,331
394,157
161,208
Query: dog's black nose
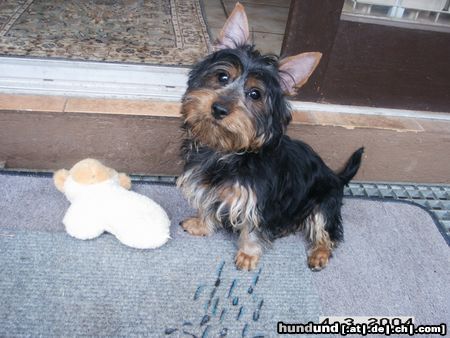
219,111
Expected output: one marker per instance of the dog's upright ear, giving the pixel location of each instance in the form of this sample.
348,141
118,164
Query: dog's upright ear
235,32
296,70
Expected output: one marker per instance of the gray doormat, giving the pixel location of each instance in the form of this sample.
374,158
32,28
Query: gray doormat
433,197
394,262
54,285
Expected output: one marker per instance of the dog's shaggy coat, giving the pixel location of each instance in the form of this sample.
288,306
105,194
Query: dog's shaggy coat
242,171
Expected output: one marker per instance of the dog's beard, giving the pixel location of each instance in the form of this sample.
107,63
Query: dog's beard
235,132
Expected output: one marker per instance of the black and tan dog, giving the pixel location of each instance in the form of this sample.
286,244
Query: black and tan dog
241,171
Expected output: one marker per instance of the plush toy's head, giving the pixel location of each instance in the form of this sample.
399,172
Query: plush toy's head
88,172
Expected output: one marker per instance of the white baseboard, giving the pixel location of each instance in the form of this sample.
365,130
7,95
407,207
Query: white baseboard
361,110
91,79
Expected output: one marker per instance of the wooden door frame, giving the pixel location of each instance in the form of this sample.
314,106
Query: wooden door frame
308,30
369,64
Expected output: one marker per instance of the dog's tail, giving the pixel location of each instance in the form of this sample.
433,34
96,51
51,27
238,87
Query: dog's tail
351,167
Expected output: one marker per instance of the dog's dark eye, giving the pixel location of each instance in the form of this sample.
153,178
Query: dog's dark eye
254,94
223,77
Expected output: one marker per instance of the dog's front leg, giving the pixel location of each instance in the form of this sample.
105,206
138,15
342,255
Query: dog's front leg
250,249
197,226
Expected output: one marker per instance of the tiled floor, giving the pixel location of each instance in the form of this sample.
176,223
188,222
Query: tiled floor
267,20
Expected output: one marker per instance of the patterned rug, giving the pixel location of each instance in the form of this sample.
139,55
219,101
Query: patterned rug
133,31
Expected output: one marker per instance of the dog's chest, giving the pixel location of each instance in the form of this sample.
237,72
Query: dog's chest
228,201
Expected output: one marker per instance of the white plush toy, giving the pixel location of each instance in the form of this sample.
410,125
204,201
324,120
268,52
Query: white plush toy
101,202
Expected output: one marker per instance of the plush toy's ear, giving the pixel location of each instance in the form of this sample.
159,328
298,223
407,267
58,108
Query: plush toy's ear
125,181
296,70
59,177
235,31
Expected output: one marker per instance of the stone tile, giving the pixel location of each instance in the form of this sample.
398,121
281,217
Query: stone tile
214,32
278,3
215,14
268,43
32,103
263,18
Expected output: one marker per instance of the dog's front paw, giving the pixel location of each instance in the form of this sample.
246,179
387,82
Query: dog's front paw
195,227
318,258
245,261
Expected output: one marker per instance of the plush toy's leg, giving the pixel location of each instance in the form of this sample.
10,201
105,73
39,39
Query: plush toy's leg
143,239
82,232
81,225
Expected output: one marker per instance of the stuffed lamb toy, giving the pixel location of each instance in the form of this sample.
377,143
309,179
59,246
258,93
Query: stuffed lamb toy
100,201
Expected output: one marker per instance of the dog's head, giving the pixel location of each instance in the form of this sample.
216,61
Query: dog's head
236,97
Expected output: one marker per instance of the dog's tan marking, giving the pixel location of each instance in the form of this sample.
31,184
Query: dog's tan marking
211,80
241,127
257,107
318,257
250,249
240,201
196,105
253,82
235,132
228,194
314,230
246,262
196,227
236,202
200,196
233,70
